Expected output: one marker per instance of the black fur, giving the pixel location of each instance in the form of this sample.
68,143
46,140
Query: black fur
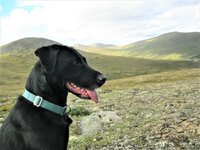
30,128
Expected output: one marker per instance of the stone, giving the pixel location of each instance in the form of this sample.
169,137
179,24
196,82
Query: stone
1,120
167,130
109,116
158,136
179,129
90,125
184,124
198,130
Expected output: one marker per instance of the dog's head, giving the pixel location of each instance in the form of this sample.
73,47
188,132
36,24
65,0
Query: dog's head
67,69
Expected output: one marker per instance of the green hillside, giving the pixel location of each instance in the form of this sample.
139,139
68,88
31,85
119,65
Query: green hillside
119,67
15,67
173,45
22,52
101,49
114,67
170,46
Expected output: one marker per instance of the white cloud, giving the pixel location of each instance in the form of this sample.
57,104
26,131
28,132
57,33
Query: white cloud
117,22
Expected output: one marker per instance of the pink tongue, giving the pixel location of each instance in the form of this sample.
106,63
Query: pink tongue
93,95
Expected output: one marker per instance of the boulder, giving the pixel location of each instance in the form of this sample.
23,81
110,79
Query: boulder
93,123
109,116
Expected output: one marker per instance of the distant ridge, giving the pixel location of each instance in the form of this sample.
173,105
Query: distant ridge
169,46
27,44
173,46
103,45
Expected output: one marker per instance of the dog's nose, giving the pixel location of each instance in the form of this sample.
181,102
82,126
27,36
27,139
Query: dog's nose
101,79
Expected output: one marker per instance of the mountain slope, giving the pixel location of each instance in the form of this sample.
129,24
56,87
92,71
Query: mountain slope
25,44
174,46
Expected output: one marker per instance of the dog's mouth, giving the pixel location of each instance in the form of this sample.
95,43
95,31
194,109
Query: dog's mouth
82,92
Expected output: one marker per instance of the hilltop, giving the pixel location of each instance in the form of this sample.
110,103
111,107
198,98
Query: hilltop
26,44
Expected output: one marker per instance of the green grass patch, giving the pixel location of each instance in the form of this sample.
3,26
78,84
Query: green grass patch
79,111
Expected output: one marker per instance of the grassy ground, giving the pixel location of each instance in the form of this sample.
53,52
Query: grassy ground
159,111
15,67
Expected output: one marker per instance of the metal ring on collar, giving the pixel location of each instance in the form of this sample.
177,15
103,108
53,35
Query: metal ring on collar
37,101
66,110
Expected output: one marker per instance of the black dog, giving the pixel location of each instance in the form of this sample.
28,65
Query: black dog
60,70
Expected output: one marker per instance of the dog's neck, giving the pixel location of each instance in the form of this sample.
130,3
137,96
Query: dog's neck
38,85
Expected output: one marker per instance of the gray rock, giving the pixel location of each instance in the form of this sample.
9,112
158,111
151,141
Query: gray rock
90,125
109,116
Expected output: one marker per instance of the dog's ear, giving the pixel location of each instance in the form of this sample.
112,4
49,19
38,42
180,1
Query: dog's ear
48,57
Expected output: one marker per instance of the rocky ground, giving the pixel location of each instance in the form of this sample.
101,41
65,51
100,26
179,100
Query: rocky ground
151,112
162,115
171,112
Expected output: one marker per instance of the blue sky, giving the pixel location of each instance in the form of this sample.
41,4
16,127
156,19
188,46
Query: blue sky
7,6
109,21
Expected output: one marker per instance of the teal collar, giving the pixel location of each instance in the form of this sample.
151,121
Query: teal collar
40,102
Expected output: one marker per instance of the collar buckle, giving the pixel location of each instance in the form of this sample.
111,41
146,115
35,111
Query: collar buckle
37,101
66,109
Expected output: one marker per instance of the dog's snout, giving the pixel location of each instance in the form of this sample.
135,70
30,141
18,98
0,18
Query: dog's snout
101,79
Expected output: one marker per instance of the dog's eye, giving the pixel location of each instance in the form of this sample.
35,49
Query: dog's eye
76,62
